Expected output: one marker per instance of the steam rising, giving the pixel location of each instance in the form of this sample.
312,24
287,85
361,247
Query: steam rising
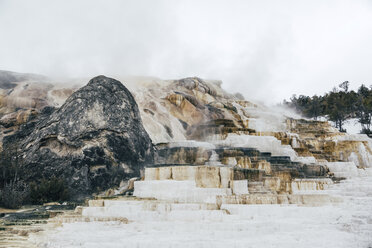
266,50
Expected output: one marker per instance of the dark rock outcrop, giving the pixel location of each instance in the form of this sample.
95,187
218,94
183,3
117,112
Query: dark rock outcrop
94,140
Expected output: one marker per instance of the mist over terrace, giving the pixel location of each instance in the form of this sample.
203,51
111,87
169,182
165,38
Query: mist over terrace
266,50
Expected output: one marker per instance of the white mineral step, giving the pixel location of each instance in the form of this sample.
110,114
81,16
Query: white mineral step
138,214
239,187
310,186
347,224
214,159
343,169
152,205
177,191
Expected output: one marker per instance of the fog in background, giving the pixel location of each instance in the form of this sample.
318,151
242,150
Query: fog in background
266,50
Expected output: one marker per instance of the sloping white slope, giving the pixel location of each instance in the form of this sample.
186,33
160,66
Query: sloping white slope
348,224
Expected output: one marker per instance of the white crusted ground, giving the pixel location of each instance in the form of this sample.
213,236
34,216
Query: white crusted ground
345,225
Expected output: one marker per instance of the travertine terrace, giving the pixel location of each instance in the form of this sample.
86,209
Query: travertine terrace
224,166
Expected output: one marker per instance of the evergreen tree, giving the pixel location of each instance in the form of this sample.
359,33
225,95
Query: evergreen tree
364,108
336,108
337,105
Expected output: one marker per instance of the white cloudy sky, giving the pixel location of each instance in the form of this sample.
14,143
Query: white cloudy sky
267,50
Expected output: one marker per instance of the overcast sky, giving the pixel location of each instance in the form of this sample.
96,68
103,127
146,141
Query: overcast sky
267,50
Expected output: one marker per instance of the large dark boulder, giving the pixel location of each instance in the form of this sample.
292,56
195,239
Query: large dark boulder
93,141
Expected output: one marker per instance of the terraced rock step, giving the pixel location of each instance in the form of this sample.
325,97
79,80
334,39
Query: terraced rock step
191,153
16,233
257,188
17,226
347,223
268,198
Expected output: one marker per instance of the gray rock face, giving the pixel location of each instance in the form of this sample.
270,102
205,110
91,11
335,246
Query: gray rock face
8,79
94,140
198,84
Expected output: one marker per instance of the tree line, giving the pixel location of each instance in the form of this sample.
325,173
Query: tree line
338,105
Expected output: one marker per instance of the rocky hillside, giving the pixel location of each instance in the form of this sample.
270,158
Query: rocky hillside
9,80
96,139
24,94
